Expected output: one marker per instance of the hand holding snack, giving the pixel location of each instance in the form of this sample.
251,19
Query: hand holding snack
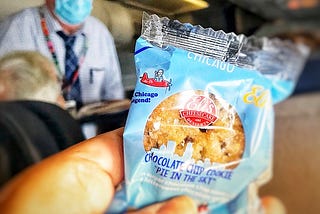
198,135
81,179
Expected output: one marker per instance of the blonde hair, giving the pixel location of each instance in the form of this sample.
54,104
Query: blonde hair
28,75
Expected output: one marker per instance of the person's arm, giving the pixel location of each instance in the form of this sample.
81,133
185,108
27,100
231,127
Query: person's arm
114,88
17,31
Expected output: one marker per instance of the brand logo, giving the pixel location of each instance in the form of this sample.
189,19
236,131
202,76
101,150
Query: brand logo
199,111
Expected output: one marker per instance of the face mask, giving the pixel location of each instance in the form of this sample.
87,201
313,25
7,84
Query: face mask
73,11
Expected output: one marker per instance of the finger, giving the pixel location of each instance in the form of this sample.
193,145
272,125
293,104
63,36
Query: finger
273,205
106,150
182,204
176,205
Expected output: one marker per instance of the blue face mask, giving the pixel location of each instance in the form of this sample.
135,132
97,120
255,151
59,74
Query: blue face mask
73,11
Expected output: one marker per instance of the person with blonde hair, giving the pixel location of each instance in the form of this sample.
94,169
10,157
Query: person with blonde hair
28,75
80,46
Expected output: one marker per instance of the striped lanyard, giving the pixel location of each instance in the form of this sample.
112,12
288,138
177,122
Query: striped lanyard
66,84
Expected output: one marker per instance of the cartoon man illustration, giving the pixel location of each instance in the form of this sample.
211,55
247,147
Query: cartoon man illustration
158,75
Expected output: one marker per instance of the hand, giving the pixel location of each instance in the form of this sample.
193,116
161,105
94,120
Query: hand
186,205
82,179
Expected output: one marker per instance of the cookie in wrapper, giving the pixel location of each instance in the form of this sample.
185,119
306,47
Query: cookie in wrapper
201,119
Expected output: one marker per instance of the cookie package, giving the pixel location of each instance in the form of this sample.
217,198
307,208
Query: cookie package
201,119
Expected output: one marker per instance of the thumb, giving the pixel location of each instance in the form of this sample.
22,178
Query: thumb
181,204
272,205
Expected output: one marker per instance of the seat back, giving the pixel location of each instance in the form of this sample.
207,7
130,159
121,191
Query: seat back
31,131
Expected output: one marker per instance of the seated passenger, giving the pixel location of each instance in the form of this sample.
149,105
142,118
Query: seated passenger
28,75
33,121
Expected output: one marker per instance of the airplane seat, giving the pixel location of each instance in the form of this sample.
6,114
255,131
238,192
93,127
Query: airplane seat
31,131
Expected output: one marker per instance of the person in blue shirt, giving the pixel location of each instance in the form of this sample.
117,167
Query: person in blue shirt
94,73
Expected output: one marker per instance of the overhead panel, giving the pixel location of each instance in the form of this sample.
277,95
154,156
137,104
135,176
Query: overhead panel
166,7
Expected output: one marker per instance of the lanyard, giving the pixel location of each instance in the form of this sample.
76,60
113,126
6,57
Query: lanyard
66,83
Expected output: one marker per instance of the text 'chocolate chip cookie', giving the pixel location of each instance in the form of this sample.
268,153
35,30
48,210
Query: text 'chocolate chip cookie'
209,124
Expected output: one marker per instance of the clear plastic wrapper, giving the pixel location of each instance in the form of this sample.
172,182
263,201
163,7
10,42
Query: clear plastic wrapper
201,118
